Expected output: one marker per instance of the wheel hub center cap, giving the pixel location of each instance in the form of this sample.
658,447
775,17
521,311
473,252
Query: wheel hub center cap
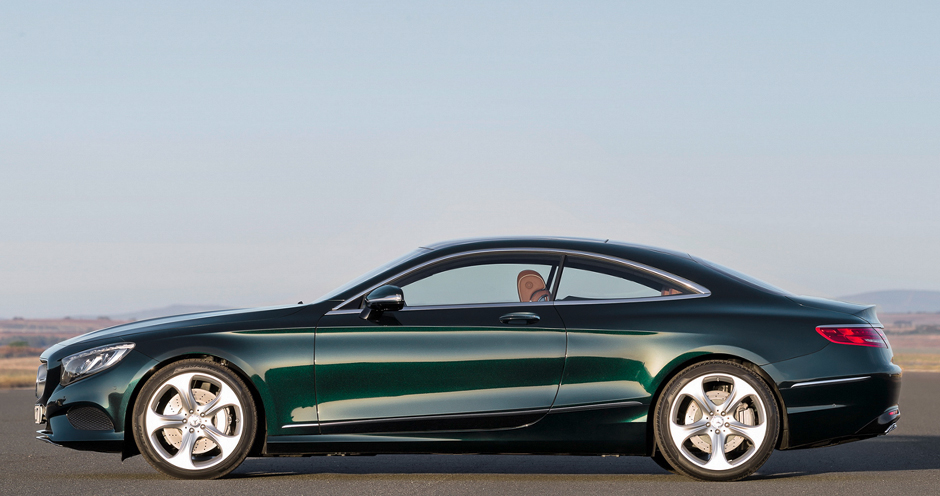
194,421
717,423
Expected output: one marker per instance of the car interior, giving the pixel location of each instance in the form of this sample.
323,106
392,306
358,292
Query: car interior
531,287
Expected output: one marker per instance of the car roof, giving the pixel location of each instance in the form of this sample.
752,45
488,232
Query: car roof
587,244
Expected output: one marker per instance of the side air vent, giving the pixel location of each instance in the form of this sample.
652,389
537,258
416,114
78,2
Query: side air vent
87,418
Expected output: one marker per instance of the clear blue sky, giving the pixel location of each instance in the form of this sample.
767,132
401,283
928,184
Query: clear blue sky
254,153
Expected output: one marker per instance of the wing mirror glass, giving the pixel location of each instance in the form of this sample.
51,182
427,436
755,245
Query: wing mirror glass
382,299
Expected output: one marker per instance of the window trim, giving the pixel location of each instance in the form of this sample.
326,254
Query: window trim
568,258
459,262
698,291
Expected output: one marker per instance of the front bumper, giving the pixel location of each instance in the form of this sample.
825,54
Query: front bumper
90,414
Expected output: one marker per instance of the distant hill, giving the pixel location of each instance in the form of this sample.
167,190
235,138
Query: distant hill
165,312
40,333
899,301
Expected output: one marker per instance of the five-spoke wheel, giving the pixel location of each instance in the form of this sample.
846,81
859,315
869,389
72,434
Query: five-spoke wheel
194,419
716,420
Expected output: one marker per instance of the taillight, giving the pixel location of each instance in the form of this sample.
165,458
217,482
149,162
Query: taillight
859,336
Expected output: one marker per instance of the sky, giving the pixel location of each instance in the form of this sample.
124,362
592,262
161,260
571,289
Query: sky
245,153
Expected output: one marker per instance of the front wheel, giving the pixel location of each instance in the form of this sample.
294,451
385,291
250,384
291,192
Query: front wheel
716,421
194,419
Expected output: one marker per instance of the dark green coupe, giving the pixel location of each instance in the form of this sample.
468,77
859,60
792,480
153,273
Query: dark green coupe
514,345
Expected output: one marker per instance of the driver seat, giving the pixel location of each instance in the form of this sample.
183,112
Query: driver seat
532,287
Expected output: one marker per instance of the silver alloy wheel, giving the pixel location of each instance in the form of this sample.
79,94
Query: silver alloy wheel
194,420
718,409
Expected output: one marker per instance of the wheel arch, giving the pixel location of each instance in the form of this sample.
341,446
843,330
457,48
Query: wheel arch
685,361
257,446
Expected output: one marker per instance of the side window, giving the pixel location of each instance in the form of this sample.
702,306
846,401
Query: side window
481,280
588,279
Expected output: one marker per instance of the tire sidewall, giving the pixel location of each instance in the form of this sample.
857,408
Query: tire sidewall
664,407
249,419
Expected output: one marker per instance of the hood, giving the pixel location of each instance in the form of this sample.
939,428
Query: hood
866,312
120,332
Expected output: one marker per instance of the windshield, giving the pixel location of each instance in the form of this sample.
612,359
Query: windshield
372,273
749,280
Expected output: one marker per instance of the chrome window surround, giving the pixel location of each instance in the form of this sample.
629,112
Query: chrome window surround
698,291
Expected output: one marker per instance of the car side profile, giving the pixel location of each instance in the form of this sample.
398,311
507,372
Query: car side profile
503,345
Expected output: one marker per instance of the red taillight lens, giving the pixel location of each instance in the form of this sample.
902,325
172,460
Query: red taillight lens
859,336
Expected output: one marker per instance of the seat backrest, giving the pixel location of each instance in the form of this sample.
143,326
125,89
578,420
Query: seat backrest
531,287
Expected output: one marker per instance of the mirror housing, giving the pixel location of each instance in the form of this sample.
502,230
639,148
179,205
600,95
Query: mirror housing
382,299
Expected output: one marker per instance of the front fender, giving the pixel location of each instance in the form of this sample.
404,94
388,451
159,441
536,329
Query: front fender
277,362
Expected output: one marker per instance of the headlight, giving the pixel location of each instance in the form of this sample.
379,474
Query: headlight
88,362
41,378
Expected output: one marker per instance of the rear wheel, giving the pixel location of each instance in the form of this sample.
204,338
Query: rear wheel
194,419
716,421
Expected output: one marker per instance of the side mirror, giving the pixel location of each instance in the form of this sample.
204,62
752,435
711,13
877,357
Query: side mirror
382,299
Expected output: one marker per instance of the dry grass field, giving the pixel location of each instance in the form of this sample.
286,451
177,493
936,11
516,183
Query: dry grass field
22,340
916,352
918,362
18,372
915,343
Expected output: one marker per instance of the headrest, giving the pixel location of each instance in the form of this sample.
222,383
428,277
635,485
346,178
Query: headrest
531,287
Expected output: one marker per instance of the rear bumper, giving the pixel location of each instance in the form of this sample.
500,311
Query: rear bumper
885,423
833,413
879,426
821,410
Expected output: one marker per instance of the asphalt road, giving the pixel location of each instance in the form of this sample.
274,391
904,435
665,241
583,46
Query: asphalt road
907,461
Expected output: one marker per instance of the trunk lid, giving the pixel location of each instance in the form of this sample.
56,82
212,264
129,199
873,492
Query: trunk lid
866,312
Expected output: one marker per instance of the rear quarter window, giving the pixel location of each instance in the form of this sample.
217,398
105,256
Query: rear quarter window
588,279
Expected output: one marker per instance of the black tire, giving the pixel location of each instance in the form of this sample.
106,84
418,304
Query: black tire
218,440
747,435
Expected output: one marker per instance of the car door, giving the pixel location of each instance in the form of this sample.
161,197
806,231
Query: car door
619,317
465,352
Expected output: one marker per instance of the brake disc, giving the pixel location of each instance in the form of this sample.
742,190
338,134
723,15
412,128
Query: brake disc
203,445
742,414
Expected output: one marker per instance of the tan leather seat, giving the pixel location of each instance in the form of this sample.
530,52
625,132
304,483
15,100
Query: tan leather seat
532,287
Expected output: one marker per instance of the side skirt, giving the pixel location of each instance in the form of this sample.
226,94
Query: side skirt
612,428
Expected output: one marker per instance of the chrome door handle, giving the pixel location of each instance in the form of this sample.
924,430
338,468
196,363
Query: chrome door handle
519,318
